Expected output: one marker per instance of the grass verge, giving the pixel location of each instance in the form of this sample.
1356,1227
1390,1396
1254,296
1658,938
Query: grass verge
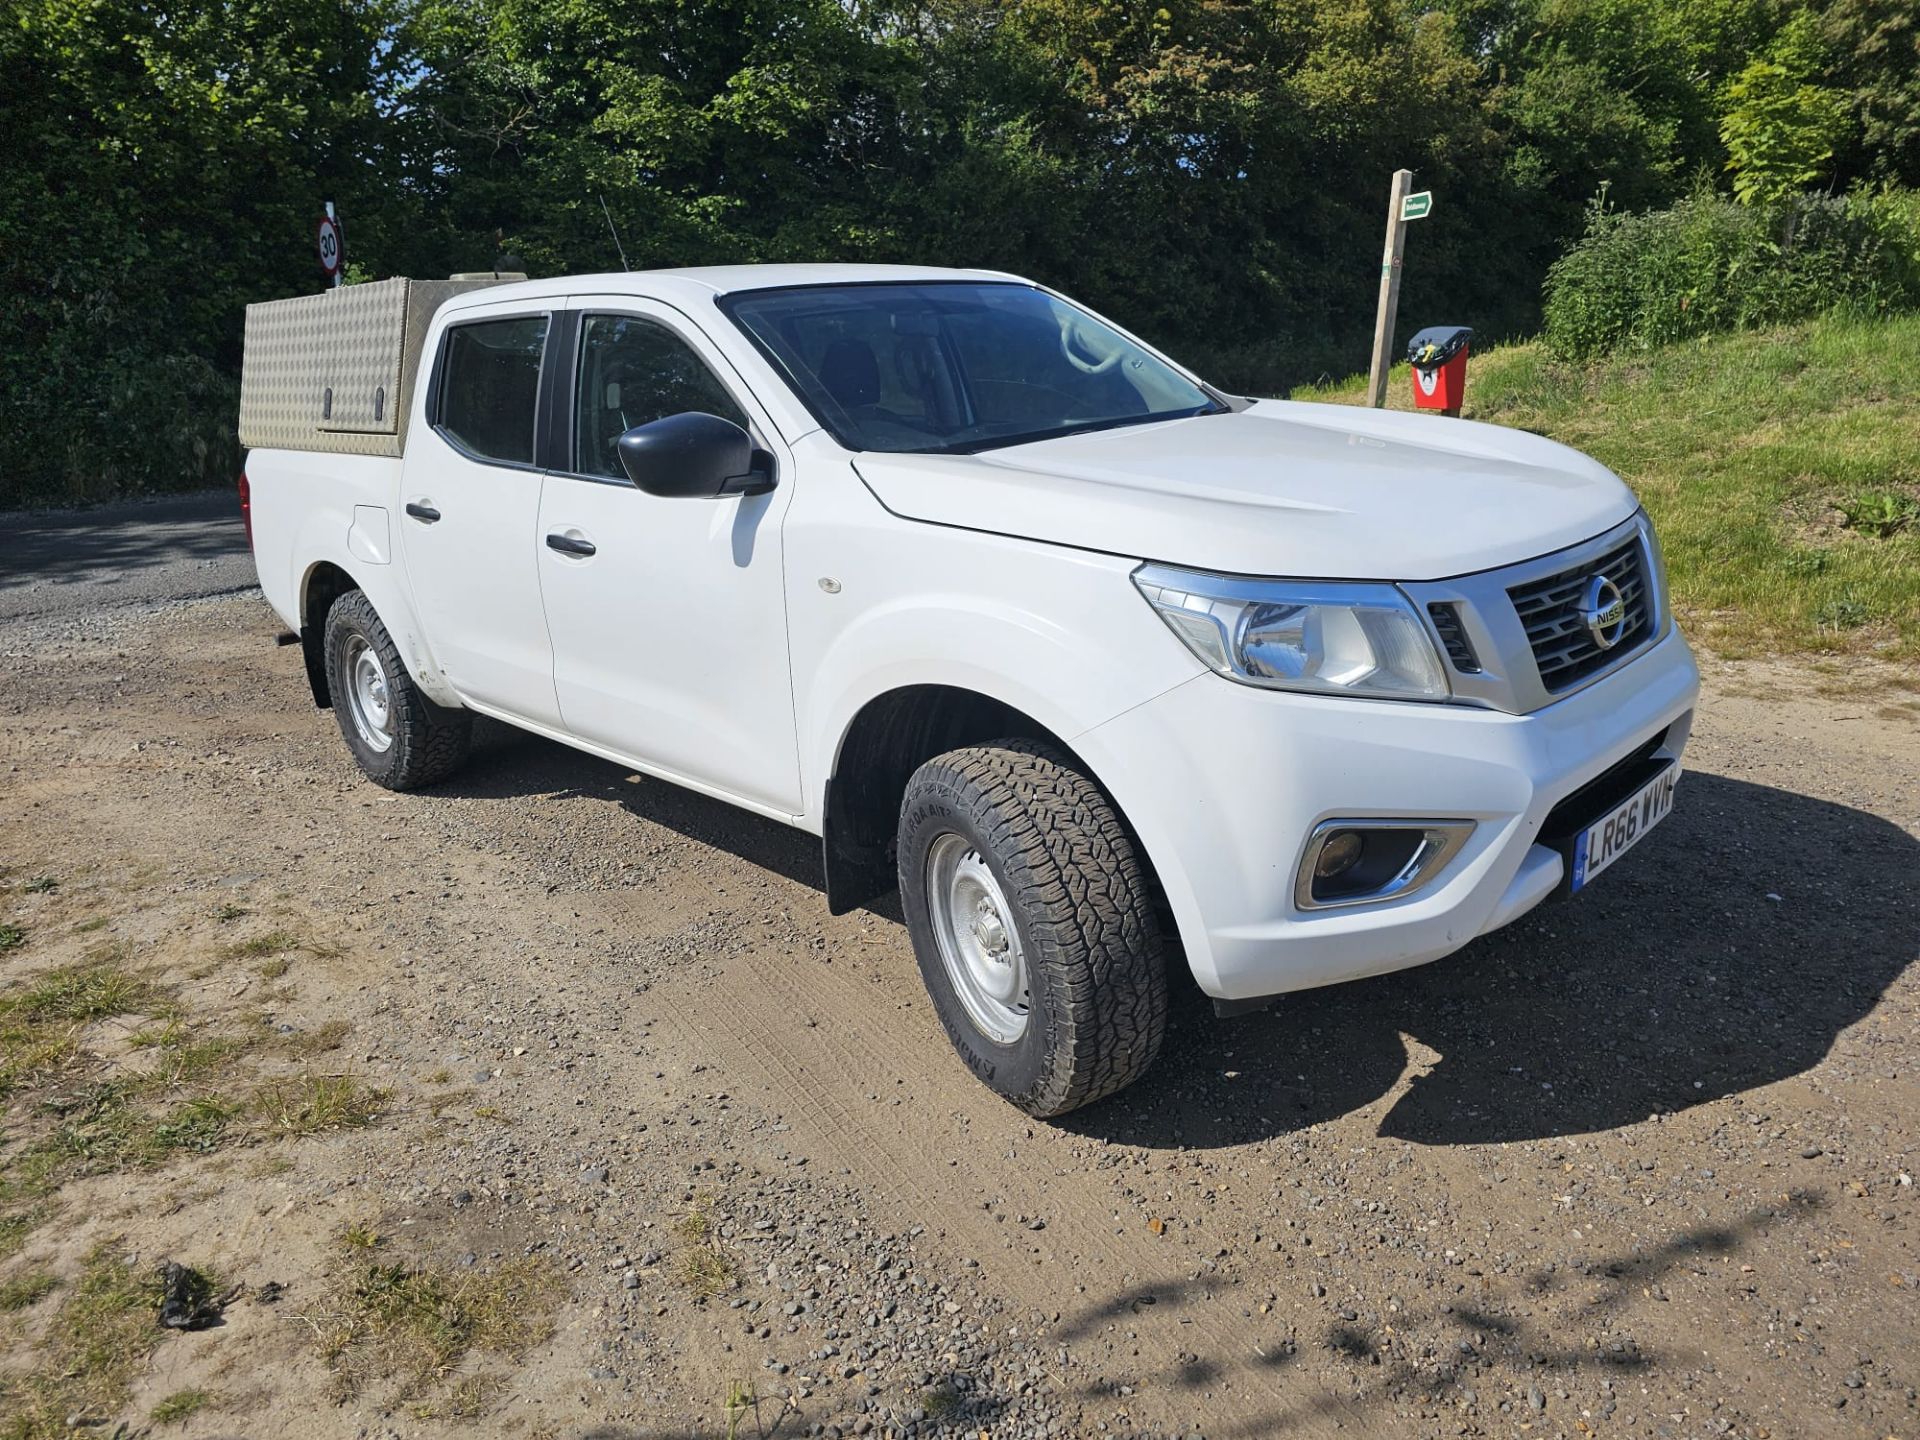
1782,468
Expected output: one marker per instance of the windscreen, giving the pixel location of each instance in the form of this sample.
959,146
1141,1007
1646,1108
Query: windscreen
953,367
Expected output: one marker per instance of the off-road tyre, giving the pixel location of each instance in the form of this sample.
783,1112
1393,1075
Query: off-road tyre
1081,905
429,741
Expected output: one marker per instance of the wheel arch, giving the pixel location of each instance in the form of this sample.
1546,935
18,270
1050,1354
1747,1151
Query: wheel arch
323,583
889,737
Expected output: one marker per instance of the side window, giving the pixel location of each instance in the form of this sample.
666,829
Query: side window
490,386
633,371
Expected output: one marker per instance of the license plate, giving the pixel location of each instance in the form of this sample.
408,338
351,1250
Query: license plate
1625,826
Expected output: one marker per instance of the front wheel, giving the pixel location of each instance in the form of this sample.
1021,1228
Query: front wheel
1032,920
399,737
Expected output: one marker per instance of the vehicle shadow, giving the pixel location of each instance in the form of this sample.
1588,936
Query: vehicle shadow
1676,979
508,762
1727,953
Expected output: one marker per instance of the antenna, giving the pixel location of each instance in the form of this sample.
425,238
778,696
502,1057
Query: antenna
616,234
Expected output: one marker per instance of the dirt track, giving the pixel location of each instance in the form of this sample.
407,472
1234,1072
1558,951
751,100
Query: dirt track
1640,1165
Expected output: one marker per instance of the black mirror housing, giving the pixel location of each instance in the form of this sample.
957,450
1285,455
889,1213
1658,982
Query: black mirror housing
696,457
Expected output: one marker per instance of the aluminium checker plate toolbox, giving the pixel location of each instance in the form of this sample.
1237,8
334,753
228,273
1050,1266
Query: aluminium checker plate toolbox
335,371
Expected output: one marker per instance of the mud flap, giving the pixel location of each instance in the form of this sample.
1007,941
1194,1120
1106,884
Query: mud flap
310,651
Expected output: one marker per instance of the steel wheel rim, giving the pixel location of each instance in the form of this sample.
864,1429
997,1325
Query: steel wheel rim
979,946
369,701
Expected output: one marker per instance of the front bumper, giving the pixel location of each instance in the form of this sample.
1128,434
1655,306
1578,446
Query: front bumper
1223,783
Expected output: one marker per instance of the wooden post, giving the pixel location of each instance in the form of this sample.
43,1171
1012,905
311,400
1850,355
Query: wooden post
1389,311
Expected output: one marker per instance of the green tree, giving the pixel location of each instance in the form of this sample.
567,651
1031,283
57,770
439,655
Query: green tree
1614,94
164,167
1874,56
1780,127
1211,171
1210,168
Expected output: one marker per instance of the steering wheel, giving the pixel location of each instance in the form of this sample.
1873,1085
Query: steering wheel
1069,336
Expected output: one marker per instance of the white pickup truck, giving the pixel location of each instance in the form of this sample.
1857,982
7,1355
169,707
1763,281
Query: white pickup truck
1098,664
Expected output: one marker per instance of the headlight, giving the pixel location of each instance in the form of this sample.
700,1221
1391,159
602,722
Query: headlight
1320,636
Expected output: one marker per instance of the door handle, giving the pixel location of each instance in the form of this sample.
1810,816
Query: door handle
426,514
567,545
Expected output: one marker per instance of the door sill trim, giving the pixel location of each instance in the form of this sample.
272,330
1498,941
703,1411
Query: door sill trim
657,772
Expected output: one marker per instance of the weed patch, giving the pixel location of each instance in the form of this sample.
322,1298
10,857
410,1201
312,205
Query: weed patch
743,1399
704,1271
105,1128
40,1026
17,1221
326,1036
188,1096
1842,612
466,1399
28,1289
416,1324
703,1268
1881,513
179,1406
98,1338
275,942
309,1104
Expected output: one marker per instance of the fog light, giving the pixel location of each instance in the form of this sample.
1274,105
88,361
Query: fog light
1339,855
1363,862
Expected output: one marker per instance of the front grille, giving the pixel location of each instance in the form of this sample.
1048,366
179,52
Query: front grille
1453,635
1564,651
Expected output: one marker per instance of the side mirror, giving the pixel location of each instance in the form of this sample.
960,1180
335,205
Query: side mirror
695,456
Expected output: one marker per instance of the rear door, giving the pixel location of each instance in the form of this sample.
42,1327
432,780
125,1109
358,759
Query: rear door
668,616
470,494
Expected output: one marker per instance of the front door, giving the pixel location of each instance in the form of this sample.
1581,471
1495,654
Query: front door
668,616
470,505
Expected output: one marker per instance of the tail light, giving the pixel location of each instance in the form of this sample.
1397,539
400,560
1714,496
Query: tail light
246,507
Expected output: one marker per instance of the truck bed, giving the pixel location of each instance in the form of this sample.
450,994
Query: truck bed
335,372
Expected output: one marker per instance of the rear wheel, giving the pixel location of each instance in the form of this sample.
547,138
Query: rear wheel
1033,923
399,737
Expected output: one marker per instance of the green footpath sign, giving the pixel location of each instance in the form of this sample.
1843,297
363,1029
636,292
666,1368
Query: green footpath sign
1416,207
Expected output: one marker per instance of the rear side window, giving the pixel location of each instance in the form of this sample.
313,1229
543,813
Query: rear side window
490,386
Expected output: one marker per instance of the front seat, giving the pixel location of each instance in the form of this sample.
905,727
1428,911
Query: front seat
850,374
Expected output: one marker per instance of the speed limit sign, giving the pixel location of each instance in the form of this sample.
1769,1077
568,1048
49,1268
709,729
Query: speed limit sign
331,248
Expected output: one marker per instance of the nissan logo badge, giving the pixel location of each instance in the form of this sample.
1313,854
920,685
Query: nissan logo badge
1604,610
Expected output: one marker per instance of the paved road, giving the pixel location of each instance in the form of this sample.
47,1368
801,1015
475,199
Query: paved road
66,562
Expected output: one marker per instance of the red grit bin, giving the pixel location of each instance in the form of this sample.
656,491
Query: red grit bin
1438,355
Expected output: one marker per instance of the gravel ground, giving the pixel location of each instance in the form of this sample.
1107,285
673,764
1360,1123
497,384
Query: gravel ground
1640,1165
